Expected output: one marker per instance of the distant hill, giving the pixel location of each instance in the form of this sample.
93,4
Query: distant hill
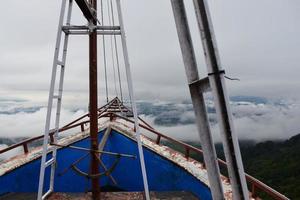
276,163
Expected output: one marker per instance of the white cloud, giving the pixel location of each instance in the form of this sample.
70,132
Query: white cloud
31,124
251,121
9,153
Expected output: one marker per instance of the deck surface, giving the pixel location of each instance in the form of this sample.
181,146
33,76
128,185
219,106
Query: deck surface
104,196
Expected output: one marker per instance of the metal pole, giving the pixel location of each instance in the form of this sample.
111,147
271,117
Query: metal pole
132,100
217,82
202,123
93,96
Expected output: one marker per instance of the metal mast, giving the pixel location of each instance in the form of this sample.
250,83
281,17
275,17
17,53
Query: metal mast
189,59
215,82
89,10
93,99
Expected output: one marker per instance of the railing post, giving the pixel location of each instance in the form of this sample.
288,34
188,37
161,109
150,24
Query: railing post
253,190
187,153
25,147
51,138
158,139
111,117
82,127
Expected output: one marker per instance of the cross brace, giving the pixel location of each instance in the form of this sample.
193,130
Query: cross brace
87,10
84,30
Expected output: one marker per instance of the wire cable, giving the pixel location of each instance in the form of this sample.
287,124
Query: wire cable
112,48
116,51
104,53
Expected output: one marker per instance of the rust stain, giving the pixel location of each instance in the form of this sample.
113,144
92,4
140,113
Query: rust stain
123,196
190,165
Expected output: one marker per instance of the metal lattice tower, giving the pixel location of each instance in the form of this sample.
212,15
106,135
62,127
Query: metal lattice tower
214,82
89,10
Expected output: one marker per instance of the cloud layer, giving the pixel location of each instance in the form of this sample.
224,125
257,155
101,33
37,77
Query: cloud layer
255,118
18,120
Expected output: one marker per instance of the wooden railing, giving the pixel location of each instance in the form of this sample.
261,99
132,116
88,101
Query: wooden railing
254,183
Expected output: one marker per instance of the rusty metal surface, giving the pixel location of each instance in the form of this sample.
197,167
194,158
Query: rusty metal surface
93,97
126,196
19,196
177,195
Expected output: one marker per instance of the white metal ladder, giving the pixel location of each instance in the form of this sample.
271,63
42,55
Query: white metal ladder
54,94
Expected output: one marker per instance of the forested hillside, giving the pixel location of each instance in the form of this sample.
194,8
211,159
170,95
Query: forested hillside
276,163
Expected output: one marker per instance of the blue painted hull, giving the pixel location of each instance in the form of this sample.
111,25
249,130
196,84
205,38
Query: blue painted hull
163,175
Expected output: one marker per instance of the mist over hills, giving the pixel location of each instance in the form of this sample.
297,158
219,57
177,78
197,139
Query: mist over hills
276,163
263,127
170,114
255,118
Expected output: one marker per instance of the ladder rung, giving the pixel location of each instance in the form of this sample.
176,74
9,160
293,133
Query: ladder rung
56,97
103,28
203,84
49,162
99,32
60,63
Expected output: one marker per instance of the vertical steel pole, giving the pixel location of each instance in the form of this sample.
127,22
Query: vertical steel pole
93,96
217,82
202,123
132,100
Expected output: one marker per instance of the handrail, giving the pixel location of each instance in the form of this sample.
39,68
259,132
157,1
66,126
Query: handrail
255,183
25,142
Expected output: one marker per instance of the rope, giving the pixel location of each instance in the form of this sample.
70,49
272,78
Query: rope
104,53
232,79
223,72
112,48
116,49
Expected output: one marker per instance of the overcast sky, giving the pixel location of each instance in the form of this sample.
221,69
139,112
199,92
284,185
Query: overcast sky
258,42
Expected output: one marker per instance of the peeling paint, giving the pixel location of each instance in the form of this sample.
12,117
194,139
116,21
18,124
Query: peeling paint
192,166
19,160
